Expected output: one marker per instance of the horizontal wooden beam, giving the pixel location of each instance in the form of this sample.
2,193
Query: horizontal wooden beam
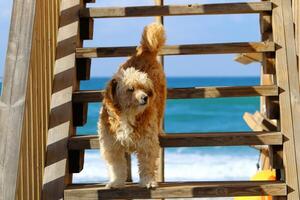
178,190
172,10
190,49
189,93
193,140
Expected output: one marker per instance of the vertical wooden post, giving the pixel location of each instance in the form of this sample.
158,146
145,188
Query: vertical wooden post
268,106
288,82
61,127
161,169
296,15
12,102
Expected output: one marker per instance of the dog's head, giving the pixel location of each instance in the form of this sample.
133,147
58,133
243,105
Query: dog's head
131,90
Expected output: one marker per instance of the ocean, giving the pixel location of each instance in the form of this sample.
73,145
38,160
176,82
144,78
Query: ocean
188,116
193,115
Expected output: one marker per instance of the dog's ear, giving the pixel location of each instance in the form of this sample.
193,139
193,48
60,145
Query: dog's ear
111,89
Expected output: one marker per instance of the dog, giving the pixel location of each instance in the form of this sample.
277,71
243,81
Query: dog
131,118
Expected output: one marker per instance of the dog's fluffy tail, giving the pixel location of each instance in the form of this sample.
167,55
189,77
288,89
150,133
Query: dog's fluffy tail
153,38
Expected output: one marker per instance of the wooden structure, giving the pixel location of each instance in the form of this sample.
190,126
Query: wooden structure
63,152
12,101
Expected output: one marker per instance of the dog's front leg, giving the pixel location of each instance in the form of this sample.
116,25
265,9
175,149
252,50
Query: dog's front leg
114,155
147,154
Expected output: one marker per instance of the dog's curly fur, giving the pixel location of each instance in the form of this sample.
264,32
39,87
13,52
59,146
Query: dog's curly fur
132,114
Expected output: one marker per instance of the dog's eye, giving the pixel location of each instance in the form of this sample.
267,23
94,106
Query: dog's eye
130,89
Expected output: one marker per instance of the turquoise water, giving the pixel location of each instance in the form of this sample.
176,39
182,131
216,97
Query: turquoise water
193,115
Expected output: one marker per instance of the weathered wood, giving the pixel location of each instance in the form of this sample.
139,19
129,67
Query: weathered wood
35,126
80,111
161,160
193,140
268,108
258,122
187,93
287,78
276,157
86,28
12,101
83,68
171,10
57,173
76,160
179,190
220,48
247,58
296,17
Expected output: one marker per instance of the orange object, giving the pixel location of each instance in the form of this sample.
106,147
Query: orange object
264,175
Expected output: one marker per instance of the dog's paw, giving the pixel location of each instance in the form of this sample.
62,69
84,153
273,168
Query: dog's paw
115,184
148,184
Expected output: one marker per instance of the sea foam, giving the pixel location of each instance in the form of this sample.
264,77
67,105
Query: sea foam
192,166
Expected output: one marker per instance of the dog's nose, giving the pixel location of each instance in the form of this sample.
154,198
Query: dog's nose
145,98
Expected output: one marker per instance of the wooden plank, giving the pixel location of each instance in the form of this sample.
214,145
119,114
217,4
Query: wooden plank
247,58
219,48
12,101
188,93
76,161
258,122
296,17
179,190
161,160
173,10
80,111
83,68
292,65
287,78
56,173
86,28
268,108
193,140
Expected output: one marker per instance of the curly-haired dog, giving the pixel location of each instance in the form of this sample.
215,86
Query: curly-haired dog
132,113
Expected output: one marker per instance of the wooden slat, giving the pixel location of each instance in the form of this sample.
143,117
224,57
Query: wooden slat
161,159
258,122
247,58
178,190
14,90
56,172
188,93
193,140
219,48
171,10
288,81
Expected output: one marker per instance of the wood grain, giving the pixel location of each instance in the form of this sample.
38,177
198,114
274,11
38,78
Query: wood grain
188,93
193,140
56,172
219,48
178,190
173,10
13,99
35,126
258,122
287,77
247,58
161,159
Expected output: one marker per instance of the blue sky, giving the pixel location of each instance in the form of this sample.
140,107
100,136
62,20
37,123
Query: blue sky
180,30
